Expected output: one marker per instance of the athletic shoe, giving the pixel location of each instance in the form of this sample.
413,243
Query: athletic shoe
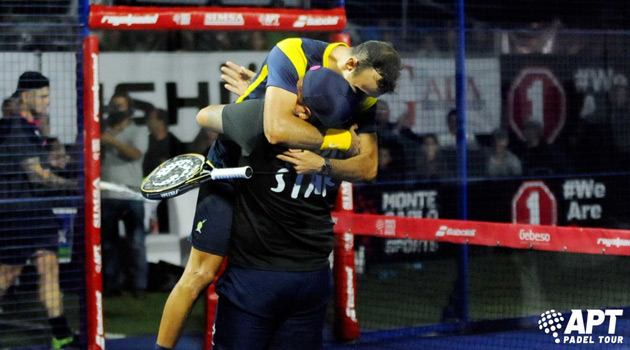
69,343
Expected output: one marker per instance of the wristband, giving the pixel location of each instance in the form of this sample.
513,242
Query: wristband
337,139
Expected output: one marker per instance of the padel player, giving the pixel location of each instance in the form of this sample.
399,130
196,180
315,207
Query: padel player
275,289
372,68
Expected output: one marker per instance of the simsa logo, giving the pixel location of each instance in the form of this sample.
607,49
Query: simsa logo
578,329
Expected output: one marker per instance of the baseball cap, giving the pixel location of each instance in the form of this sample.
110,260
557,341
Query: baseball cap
31,81
329,96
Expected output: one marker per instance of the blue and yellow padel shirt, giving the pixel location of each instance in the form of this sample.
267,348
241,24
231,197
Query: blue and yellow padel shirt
288,61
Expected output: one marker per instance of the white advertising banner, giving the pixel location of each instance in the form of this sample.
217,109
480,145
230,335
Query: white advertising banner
426,92
181,83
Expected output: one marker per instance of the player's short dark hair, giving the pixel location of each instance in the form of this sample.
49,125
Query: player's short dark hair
383,58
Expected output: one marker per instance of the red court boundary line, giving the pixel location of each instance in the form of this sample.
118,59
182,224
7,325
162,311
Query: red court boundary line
216,18
520,236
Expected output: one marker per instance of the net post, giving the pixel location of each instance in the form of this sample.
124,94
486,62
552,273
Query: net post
346,325
460,86
91,141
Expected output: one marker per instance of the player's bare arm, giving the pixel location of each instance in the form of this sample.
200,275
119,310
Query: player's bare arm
280,125
37,174
211,117
362,167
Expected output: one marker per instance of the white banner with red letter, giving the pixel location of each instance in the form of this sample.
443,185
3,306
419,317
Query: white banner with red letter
426,92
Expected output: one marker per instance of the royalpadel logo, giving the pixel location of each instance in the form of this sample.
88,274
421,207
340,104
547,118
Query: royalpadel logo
130,19
447,231
579,328
614,242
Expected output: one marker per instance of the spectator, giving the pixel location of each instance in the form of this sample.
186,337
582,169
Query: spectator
163,145
449,140
541,38
391,162
121,102
430,163
539,157
258,41
501,162
123,146
27,178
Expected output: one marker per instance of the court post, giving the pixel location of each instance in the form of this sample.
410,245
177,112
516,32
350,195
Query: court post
346,325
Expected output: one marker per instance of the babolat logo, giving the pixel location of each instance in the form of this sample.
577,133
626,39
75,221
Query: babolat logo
314,21
169,194
447,231
579,330
130,19
529,235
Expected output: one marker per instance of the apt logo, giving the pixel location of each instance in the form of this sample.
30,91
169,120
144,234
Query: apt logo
578,329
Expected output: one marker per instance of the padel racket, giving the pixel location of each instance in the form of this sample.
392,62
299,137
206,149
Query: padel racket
182,173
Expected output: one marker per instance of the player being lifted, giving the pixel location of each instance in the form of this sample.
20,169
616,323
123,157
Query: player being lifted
371,69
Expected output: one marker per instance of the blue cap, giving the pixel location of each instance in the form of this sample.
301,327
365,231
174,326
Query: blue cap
329,97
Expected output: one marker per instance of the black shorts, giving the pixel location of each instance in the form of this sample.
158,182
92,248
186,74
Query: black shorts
213,220
21,235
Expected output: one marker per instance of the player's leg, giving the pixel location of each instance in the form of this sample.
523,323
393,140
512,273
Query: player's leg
209,238
237,329
251,303
303,328
8,274
47,266
198,274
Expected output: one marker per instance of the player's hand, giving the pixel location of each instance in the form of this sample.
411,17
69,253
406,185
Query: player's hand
237,78
304,162
355,145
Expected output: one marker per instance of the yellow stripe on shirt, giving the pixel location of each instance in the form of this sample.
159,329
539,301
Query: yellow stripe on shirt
261,77
327,52
367,103
293,49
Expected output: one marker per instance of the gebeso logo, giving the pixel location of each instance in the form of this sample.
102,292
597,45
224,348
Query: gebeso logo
529,235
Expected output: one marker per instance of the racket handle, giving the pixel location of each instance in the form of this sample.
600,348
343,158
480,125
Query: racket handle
244,172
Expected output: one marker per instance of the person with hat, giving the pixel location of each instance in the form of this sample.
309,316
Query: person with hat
26,183
282,229
33,93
